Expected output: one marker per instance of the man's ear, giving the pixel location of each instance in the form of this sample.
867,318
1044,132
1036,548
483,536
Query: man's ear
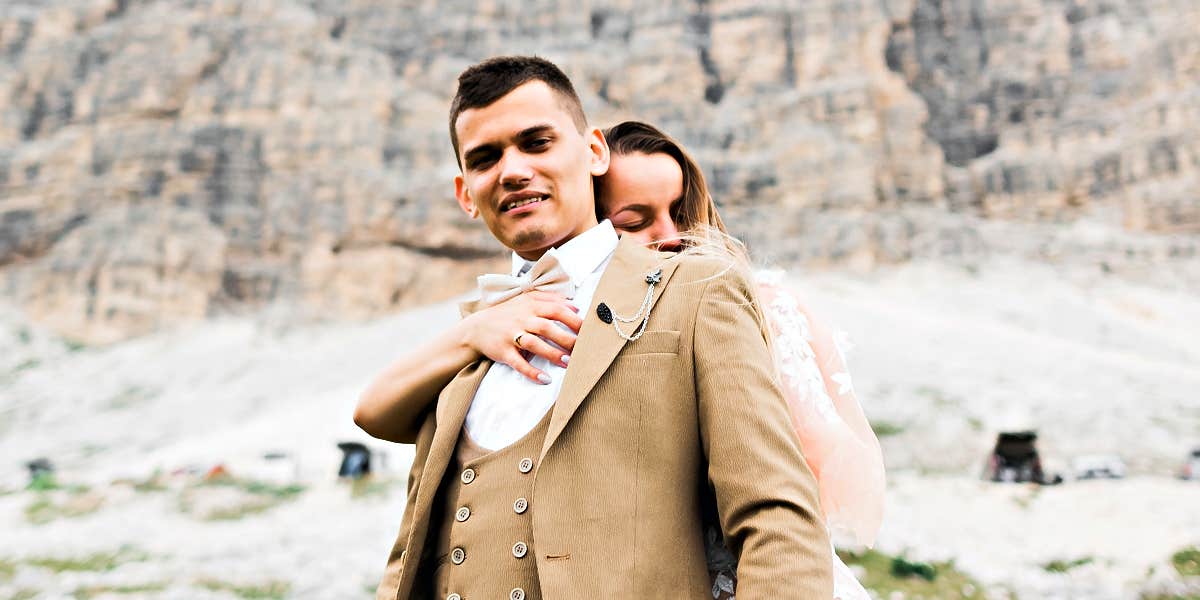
598,146
464,197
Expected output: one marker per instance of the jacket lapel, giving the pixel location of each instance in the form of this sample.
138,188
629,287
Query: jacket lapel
451,412
622,288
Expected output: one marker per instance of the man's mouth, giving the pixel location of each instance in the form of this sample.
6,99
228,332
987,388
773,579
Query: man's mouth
513,204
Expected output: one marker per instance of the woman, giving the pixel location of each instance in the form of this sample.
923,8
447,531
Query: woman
655,193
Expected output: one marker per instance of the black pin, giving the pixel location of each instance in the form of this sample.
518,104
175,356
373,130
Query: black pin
604,312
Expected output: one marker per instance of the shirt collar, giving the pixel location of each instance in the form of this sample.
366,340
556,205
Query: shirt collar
582,254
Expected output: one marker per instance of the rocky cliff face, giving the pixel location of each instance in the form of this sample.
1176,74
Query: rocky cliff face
161,161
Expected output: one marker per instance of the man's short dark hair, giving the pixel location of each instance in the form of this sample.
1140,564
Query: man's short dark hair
490,80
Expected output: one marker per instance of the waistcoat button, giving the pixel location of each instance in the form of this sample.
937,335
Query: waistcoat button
516,594
526,465
453,597
520,549
468,476
463,514
458,555
520,505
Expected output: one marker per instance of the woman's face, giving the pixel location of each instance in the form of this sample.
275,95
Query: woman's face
639,194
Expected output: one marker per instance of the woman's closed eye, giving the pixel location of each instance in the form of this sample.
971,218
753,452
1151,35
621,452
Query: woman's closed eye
631,219
632,225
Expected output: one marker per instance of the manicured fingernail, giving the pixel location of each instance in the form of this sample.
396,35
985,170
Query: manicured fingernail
566,359
544,378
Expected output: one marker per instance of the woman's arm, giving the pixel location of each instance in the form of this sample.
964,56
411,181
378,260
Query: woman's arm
391,406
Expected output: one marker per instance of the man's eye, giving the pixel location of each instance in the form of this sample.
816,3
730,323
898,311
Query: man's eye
480,163
538,143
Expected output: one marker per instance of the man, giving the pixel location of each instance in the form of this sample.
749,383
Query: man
593,486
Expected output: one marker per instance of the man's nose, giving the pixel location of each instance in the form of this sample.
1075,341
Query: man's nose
515,170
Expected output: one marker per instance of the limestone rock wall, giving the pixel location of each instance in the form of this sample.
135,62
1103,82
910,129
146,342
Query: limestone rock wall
161,161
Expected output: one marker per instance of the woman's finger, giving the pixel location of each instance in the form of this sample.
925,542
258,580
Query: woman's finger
517,361
561,313
540,347
553,332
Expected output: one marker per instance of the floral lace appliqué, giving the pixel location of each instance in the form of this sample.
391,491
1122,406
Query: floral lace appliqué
795,358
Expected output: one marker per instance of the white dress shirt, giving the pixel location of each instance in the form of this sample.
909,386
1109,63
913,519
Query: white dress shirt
507,404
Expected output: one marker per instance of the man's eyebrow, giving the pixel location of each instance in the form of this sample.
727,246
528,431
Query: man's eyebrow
541,128
526,133
477,152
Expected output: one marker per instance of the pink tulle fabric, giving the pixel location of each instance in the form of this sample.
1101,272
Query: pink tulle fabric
837,441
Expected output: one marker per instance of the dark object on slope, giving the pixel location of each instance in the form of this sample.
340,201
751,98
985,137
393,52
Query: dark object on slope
356,460
1015,459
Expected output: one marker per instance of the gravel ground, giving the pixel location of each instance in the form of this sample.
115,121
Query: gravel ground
945,357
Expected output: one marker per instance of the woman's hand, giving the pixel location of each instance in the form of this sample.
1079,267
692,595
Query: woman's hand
535,317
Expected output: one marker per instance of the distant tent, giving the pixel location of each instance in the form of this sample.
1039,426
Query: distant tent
356,460
1191,468
39,467
1015,459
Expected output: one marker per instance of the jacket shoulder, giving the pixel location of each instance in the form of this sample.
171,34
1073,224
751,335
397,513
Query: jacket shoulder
703,268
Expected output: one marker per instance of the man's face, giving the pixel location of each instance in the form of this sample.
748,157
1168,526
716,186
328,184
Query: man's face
527,170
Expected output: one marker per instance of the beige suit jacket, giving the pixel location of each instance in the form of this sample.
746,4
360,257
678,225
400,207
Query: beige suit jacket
639,432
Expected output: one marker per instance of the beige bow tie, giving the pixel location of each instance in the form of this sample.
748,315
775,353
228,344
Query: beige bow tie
546,275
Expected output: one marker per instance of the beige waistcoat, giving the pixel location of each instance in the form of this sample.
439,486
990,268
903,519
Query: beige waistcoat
483,547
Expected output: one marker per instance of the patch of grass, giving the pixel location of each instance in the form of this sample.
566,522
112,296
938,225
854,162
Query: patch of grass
886,574
258,488
1187,562
132,395
25,594
271,590
939,397
366,487
96,562
282,492
886,428
1168,596
75,503
44,510
91,591
8,568
26,364
43,482
74,346
46,482
154,483
259,496
1063,566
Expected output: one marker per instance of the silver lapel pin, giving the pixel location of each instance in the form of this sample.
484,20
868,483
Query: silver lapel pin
607,315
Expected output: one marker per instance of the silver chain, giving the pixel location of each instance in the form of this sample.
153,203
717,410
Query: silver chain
643,311
644,308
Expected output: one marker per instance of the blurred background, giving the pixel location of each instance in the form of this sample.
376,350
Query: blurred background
219,219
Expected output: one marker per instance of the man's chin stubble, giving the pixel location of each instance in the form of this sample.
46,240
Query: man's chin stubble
526,239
